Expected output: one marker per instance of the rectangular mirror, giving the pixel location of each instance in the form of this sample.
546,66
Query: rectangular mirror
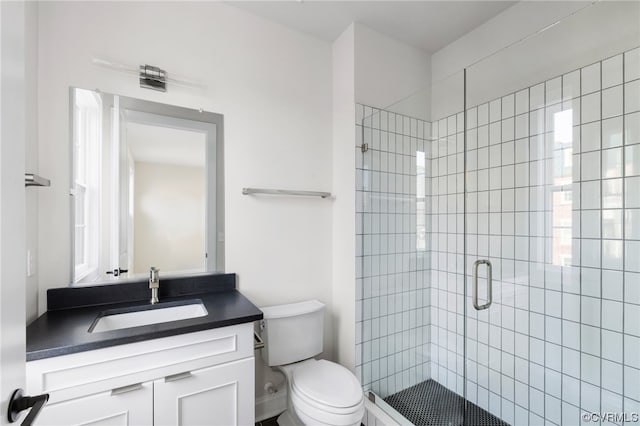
147,188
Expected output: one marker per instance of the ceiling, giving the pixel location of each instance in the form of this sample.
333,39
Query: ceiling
166,145
427,25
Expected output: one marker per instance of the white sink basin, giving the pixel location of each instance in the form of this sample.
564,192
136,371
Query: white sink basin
147,316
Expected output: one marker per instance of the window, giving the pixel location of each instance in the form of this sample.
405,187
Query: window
87,142
561,195
421,202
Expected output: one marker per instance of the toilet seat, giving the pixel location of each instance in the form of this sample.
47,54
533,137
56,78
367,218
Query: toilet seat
325,392
327,384
312,415
325,408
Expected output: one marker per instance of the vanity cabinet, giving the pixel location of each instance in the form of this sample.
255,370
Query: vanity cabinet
206,377
211,396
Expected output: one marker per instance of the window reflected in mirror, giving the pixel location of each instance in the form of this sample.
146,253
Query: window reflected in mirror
86,184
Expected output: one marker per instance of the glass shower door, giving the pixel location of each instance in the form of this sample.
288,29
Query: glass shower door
551,237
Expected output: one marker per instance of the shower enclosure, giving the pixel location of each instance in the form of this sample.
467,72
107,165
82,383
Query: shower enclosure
498,241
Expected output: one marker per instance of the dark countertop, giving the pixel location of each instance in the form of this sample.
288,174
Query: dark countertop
65,330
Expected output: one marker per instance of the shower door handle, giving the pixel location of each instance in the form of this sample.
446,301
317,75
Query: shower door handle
476,264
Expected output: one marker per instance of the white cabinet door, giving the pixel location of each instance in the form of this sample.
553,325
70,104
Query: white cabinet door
127,406
221,395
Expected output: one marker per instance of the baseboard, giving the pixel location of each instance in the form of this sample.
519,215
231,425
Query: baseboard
271,405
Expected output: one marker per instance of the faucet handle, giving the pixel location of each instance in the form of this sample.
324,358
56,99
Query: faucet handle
153,273
154,284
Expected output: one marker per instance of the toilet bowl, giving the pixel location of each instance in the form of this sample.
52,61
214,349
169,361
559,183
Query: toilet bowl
319,392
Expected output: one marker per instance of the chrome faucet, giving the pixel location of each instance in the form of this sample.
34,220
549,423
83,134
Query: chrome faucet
154,284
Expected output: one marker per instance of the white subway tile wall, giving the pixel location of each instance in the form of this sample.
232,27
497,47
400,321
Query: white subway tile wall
392,259
553,201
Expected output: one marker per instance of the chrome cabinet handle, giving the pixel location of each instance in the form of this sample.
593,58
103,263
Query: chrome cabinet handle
476,264
125,389
178,376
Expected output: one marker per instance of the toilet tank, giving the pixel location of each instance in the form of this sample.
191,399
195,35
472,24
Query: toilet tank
292,332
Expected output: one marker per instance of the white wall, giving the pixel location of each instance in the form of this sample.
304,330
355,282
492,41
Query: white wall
169,217
273,86
585,35
344,181
391,75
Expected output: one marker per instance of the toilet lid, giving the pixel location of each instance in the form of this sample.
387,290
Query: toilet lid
327,383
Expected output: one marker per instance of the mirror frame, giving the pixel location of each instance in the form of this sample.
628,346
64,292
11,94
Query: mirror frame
214,178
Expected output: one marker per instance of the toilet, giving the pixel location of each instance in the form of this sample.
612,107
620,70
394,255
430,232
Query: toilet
319,392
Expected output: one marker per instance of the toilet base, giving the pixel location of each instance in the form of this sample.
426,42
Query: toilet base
289,419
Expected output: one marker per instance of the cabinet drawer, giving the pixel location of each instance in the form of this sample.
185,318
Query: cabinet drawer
130,406
84,373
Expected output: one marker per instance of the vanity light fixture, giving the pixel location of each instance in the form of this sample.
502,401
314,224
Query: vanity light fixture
153,78
150,76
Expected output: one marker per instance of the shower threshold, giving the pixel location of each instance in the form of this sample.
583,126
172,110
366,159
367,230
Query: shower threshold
431,404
